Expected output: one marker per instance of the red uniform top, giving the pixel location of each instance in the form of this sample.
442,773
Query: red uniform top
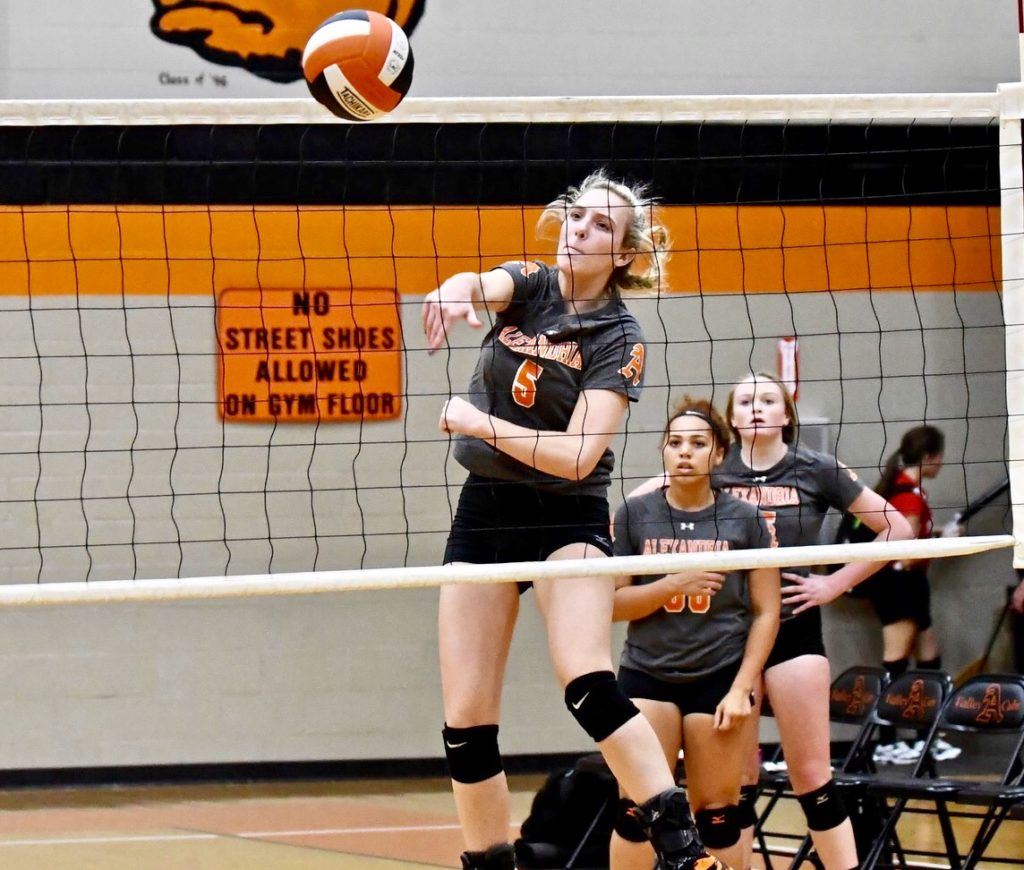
912,501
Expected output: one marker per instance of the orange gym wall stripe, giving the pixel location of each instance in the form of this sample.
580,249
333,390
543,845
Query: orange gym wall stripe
199,250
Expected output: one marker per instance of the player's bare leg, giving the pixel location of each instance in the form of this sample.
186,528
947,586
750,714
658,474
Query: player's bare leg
799,692
475,626
578,613
713,772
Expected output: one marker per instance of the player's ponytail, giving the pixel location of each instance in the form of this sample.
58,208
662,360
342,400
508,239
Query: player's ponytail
917,443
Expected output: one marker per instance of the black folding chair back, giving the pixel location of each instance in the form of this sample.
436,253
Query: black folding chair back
989,705
912,701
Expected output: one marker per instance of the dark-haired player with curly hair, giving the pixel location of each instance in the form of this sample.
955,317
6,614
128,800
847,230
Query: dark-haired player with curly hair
697,640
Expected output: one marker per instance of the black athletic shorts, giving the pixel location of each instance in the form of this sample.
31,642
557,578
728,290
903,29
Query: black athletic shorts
900,595
502,521
798,636
696,696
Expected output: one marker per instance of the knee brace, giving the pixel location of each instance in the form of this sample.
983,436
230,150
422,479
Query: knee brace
719,828
627,822
472,753
747,806
823,807
667,821
597,703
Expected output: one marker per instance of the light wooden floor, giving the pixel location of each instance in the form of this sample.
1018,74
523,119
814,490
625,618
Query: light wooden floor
376,825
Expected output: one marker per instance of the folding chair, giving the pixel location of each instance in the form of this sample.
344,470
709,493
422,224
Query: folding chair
853,697
912,701
987,706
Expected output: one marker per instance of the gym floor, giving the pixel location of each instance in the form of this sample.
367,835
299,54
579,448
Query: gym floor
372,824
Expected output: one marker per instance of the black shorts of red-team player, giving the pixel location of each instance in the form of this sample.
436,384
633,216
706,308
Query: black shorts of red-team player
503,521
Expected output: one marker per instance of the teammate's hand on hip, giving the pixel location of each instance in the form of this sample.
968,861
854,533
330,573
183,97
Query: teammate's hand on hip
441,309
459,417
814,590
733,709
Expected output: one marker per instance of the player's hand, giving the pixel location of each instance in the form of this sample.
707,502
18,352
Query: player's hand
952,529
266,37
459,417
691,583
442,308
1017,601
733,709
814,590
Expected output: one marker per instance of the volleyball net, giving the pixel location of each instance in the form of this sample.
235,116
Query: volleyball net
215,379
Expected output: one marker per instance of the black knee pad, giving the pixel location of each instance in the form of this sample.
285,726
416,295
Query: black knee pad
500,857
627,822
719,828
747,806
472,753
823,807
597,703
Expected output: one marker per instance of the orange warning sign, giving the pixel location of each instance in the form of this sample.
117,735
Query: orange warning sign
306,355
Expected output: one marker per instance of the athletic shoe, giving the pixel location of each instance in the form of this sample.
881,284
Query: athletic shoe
707,862
943,751
775,766
907,754
897,753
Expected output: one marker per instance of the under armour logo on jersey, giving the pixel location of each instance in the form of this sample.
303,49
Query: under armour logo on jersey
760,479
687,527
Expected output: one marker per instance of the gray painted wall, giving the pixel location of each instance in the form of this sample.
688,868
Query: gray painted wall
355,676
74,49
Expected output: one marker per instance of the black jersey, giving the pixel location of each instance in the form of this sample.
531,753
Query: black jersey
535,362
693,635
794,494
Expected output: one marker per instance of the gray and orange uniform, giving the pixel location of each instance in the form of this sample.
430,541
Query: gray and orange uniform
534,363
794,494
693,636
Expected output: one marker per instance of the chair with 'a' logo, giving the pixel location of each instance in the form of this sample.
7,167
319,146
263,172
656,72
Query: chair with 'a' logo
988,711
911,702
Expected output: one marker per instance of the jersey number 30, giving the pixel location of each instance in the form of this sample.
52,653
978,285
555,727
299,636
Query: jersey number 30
697,603
524,387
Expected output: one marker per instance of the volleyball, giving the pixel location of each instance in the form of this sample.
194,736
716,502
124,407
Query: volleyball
358,64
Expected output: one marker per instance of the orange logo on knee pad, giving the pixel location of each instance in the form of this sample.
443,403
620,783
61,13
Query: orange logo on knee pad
265,37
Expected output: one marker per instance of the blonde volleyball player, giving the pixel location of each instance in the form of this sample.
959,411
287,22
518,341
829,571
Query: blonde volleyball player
697,641
555,375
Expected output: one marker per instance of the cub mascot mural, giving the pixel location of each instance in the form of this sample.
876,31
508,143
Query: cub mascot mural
265,37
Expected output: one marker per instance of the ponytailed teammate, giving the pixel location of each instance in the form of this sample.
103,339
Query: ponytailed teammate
796,487
551,387
697,641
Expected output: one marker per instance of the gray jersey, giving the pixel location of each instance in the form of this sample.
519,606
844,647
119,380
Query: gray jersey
795,494
693,635
535,362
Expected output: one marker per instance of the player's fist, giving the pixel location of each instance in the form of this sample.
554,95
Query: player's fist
265,37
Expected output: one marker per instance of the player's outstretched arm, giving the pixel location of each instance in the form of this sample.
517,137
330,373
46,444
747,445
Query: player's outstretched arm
459,298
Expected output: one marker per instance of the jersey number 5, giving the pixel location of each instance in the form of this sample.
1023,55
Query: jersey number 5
524,387
697,603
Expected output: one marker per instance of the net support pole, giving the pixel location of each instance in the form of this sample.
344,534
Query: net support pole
1011,173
